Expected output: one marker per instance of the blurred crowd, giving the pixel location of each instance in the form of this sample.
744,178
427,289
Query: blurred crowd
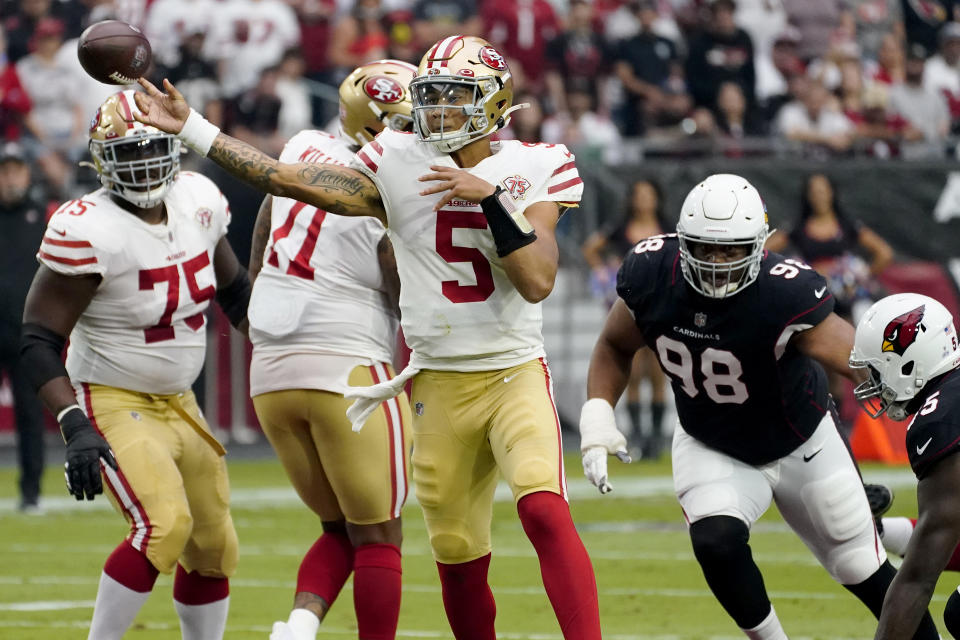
879,78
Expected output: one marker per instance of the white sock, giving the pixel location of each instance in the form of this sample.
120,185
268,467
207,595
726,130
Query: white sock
304,623
203,621
896,534
116,608
769,629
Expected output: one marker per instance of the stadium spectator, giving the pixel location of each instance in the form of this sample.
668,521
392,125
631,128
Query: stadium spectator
816,20
829,70
403,44
577,55
735,120
878,131
466,336
745,437
649,68
22,217
254,116
316,19
247,37
140,425
764,21
888,66
721,52
21,22
922,21
56,123
873,19
622,21
941,73
168,22
814,120
775,74
295,110
359,37
591,135
434,20
521,29
195,73
526,125
14,100
604,251
342,278
924,108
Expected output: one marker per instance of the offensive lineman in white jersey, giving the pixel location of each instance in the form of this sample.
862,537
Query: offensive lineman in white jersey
127,273
473,226
323,316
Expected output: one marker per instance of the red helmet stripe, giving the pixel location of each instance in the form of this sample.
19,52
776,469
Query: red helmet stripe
127,113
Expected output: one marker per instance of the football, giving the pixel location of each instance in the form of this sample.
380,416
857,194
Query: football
114,52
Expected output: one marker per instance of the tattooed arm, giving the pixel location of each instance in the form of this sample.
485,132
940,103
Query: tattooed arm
326,186
329,187
261,235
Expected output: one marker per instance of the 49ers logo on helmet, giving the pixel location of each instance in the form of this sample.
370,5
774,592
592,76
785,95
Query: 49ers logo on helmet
492,58
383,89
901,332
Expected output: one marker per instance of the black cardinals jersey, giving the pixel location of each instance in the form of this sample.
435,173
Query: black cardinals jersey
934,431
740,386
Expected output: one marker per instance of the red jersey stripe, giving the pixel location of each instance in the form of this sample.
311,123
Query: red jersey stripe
563,185
566,167
367,161
74,244
376,147
70,261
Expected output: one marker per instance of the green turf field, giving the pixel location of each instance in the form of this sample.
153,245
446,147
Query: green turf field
650,585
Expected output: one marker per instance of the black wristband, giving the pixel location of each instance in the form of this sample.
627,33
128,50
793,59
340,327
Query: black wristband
507,234
235,298
72,422
40,354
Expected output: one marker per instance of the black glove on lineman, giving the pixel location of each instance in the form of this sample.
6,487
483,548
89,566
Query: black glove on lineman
85,449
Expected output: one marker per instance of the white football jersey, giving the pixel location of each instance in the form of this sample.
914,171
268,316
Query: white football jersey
144,328
320,290
459,310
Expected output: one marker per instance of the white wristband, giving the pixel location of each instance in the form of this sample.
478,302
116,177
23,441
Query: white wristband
66,410
198,133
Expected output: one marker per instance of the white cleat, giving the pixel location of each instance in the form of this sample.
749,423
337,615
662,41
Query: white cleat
282,631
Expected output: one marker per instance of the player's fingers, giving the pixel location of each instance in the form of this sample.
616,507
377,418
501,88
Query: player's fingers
624,457
172,90
76,482
442,169
109,459
149,87
427,177
444,200
440,187
143,104
605,487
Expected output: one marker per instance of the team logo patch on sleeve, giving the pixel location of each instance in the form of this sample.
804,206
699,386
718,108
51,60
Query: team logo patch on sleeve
901,332
517,186
204,217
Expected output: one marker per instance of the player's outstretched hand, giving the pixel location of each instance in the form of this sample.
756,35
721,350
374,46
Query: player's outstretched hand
458,184
85,450
165,111
599,437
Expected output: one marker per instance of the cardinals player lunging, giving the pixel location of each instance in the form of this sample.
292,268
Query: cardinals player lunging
127,273
323,316
473,226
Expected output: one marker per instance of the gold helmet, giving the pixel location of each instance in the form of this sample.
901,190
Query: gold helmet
135,161
463,91
374,96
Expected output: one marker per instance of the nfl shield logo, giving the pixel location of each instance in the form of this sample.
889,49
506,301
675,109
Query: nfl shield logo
700,319
418,407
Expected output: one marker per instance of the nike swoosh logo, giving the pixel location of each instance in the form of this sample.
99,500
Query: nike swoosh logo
819,292
920,449
63,233
813,455
509,378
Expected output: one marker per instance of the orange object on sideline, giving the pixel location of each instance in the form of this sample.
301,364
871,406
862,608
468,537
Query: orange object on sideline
880,439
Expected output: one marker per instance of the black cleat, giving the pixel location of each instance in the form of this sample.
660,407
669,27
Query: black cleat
880,498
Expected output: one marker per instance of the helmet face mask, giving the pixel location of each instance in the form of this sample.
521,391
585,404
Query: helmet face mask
722,229
463,92
903,341
135,162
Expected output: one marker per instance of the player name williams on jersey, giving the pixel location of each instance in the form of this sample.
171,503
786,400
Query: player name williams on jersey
934,431
739,385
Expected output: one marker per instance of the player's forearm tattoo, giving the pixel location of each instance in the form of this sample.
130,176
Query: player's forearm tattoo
331,178
244,162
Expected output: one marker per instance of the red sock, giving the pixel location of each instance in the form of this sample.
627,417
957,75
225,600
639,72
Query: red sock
131,568
564,565
326,566
194,589
468,600
376,591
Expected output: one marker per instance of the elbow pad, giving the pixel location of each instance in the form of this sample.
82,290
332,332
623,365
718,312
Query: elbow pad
235,298
40,354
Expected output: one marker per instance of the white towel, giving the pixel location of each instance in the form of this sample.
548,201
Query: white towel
367,399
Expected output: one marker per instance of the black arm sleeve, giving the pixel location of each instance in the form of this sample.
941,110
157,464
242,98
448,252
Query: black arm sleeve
40,354
507,235
235,298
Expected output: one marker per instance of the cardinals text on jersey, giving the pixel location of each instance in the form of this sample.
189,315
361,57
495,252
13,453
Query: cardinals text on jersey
459,309
144,328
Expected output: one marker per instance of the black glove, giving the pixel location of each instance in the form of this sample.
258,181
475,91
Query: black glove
85,449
